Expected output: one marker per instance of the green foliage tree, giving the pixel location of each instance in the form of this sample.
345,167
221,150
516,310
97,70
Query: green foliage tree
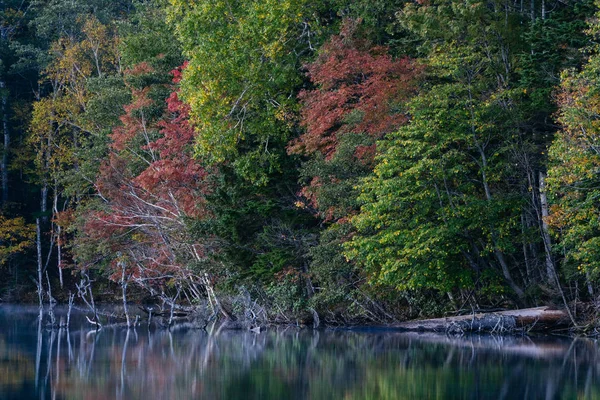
241,83
574,165
443,208
242,76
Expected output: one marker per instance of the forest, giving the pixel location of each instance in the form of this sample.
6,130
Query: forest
293,161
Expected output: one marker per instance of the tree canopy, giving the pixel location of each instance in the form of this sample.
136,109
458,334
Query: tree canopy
361,161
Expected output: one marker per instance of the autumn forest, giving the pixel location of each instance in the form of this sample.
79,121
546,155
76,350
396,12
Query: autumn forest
332,161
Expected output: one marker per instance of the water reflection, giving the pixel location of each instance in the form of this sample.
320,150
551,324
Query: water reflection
82,363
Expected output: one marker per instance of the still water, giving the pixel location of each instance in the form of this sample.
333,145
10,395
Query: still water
38,363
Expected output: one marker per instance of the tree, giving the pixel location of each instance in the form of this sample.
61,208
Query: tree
241,83
574,164
148,189
360,92
13,21
359,98
16,236
441,208
59,127
243,73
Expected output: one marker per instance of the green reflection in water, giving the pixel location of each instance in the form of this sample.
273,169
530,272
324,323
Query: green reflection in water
285,364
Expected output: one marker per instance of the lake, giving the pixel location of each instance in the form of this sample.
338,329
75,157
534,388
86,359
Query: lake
284,363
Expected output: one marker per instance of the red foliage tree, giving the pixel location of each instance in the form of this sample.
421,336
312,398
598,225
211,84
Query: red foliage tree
360,90
142,220
352,77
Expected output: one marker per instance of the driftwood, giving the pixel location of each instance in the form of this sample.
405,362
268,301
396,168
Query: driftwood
529,319
167,313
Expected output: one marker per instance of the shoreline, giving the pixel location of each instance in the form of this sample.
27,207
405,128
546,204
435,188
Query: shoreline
510,322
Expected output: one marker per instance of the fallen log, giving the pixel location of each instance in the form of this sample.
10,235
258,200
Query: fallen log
528,319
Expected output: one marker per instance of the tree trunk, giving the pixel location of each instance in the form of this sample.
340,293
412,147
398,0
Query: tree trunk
506,273
44,202
588,281
543,9
550,267
310,289
124,290
539,318
58,233
38,242
51,302
212,297
5,129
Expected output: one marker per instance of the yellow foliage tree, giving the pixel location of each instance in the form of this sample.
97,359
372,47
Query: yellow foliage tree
15,237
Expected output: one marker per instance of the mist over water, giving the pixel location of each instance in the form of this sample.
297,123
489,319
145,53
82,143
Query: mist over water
116,363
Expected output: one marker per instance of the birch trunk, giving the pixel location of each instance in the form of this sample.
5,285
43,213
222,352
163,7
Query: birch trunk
38,242
58,233
550,267
6,132
124,288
